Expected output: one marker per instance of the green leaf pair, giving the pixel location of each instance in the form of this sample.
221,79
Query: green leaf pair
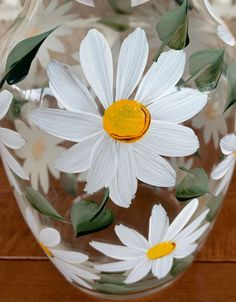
194,184
87,216
20,58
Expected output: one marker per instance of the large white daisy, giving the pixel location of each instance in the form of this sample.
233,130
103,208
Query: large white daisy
39,154
165,243
225,169
123,138
10,139
70,263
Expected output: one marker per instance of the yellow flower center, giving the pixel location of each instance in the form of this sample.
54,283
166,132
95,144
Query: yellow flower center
126,121
46,250
38,149
160,250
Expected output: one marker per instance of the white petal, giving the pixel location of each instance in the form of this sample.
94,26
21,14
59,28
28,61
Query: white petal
11,139
172,139
96,62
179,106
224,183
5,102
69,90
11,178
161,267
131,64
158,224
225,35
223,167
192,226
12,163
124,182
183,251
78,158
181,220
131,238
70,256
32,222
119,266
103,165
228,144
50,237
194,236
162,76
87,2
138,2
67,125
139,272
117,251
152,168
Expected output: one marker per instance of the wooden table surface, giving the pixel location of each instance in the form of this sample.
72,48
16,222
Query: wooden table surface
26,275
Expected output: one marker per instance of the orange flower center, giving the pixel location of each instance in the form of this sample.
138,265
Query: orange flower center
38,149
126,121
160,250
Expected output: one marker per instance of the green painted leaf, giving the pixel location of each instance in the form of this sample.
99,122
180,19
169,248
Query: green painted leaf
20,58
117,23
214,206
88,217
122,7
208,65
180,265
173,27
194,184
231,78
69,183
41,204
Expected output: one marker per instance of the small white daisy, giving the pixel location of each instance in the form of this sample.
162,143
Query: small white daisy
225,169
165,243
212,120
92,2
222,30
39,154
125,139
10,139
70,263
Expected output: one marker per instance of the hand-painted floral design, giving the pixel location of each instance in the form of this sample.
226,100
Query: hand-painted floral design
212,120
48,17
165,243
124,138
70,263
10,139
225,169
222,30
39,154
92,2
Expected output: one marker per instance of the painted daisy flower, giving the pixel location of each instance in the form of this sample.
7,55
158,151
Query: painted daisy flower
70,263
12,140
126,139
222,29
165,243
39,154
225,169
212,120
92,2
49,17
